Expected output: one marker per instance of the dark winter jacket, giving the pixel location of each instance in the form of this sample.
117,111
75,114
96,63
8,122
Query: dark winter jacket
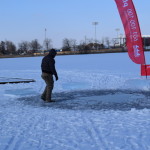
48,63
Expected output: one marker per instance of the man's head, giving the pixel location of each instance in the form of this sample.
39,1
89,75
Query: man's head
52,52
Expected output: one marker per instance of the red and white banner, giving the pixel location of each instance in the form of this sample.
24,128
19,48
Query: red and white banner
132,30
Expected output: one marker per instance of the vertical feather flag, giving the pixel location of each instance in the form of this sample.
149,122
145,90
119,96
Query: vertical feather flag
132,30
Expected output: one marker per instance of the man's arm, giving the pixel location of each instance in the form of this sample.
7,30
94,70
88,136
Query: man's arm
53,70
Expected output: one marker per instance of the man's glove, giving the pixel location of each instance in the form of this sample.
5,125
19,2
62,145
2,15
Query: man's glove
56,77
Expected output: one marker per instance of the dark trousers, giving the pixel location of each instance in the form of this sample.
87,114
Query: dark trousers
48,78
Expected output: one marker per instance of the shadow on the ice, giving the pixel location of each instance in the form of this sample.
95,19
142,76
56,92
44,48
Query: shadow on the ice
94,100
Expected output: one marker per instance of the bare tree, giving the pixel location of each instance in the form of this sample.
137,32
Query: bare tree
74,44
83,47
2,47
10,47
35,45
23,47
67,44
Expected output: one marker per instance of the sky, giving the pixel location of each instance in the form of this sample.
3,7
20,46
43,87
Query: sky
26,20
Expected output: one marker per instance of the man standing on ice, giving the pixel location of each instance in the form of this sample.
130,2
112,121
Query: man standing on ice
48,70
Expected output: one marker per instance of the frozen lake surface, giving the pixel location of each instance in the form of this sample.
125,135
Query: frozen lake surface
102,103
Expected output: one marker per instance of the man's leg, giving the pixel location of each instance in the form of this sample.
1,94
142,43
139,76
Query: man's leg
50,84
43,96
48,78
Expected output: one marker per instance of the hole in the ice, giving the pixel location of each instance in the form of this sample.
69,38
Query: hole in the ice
93,100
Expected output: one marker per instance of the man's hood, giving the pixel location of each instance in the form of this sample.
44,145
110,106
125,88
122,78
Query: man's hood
52,53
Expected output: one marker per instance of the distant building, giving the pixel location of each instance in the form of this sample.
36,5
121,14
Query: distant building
122,41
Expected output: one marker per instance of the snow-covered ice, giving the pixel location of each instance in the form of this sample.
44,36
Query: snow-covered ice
102,103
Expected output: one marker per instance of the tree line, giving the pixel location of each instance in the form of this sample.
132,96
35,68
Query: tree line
25,47
90,44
